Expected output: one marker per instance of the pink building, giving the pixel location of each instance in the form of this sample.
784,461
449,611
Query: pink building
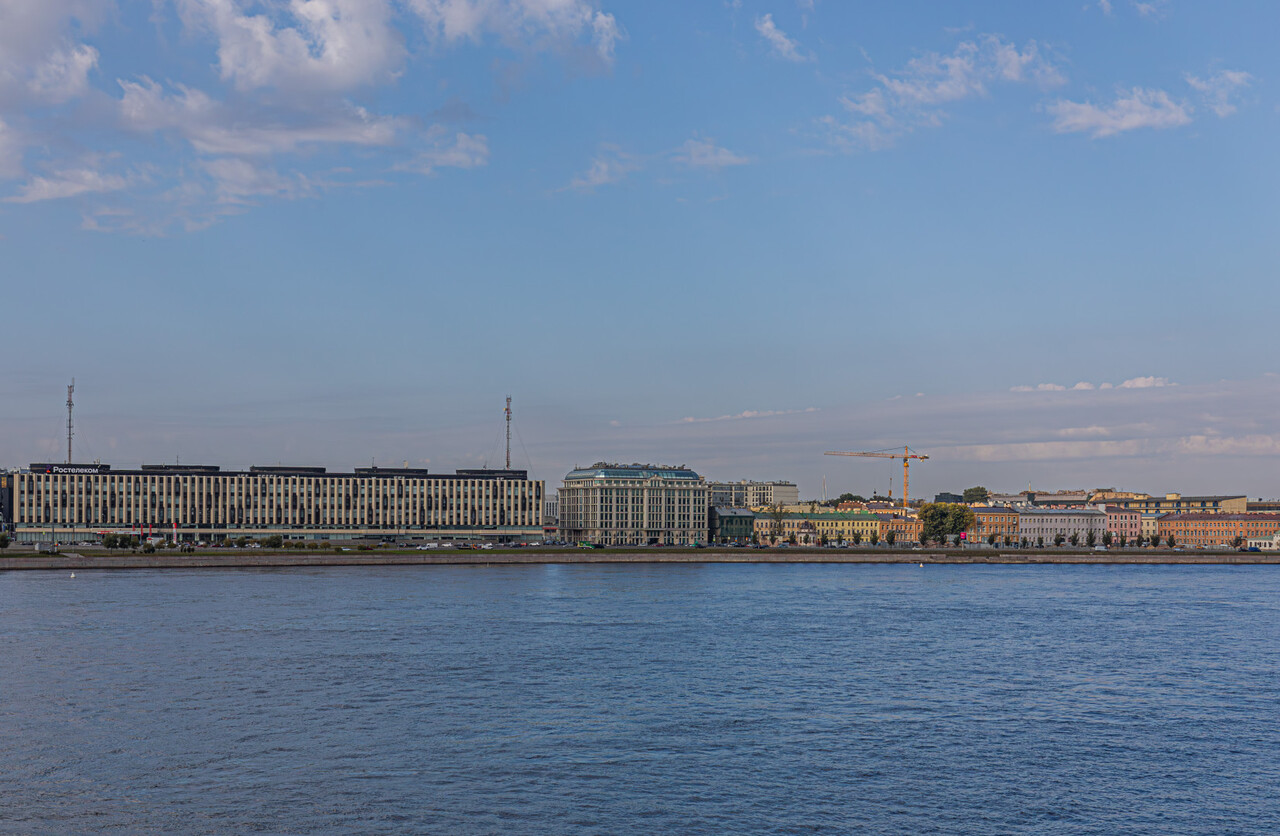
1123,522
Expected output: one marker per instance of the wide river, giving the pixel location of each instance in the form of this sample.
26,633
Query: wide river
642,699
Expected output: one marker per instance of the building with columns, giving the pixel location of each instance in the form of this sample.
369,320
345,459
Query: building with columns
634,505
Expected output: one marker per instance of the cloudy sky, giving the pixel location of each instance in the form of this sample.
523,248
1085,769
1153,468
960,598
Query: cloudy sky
1036,241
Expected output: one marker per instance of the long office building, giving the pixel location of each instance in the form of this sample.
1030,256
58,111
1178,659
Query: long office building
634,505
194,502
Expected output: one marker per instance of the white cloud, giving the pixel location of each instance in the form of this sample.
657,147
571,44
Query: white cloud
1150,8
1138,108
611,165
461,150
33,30
912,97
704,153
521,23
1040,387
332,44
67,183
64,74
1045,450
237,181
1146,383
1086,386
1105,5
606,34
1216,445
294,75
779,44
40,63
214,128
749,413
10,152
1219,88
1083,432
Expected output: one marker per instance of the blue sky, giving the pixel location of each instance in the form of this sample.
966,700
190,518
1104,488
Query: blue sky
1033,240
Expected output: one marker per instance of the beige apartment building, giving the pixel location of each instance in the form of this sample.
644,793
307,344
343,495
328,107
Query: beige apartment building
753,494
1176,503
194,502
634,505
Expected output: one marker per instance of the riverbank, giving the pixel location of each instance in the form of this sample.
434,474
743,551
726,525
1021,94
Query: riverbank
230,559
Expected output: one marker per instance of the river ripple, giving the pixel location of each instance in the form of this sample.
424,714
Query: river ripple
642,699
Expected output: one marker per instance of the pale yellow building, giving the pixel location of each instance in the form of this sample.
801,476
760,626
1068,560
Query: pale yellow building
809,529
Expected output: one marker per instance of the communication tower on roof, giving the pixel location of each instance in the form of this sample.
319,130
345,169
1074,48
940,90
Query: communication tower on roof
508,411
70,389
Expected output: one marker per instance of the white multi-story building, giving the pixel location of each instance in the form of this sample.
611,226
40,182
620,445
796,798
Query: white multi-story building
635,504
753,494
1048,523
195,502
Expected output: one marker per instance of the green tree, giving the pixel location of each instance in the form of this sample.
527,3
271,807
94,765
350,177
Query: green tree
776,516
891,537
822,540
1091,538
976,495
942,520
1236,542
924,538
1075,538
792,538
1039,542
1024,542
1154,541
875,538
275,541
1123,541
1172,542
1008,541
4,541
991,539
1106,539
1058,539
857,538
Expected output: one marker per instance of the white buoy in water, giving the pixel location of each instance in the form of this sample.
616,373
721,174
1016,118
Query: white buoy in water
921,566
73,574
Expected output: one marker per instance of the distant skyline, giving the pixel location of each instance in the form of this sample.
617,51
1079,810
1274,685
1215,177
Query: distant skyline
1035,241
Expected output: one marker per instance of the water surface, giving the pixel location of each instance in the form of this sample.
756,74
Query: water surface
642,699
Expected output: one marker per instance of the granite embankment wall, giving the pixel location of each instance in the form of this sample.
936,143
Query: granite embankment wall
275,560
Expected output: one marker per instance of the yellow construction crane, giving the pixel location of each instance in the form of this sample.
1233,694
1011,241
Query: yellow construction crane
906,455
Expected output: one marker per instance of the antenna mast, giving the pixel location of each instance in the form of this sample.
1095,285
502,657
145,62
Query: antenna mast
508,411
70,389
